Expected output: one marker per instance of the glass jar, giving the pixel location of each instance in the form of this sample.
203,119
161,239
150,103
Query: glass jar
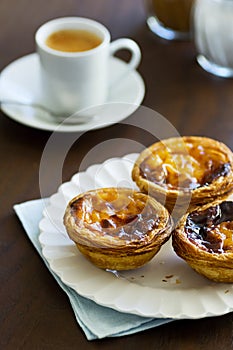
213,36
170,19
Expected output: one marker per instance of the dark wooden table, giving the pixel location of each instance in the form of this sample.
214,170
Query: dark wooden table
34,312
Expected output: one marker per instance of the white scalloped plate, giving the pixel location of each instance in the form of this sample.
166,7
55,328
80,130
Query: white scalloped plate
166,287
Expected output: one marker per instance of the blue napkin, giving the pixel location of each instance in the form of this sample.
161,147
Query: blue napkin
95,320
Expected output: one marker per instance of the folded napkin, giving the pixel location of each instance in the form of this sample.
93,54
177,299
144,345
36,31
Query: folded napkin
95,320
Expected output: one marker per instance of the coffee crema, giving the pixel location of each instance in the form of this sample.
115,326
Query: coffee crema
73,40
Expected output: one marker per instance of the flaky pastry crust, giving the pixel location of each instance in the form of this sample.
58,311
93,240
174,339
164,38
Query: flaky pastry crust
117,228
204,239
185,172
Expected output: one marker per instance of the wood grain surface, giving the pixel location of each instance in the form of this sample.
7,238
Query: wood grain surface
35,313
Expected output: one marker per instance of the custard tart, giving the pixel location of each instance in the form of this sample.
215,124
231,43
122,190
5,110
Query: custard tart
117,228
204,239
185,172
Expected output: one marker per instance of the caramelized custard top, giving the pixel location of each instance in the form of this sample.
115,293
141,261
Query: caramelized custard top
184,165
212,229
125,214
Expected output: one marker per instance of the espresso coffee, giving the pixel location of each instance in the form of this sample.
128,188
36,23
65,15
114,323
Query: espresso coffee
73,40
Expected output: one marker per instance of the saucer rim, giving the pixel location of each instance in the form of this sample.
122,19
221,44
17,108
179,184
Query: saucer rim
37,123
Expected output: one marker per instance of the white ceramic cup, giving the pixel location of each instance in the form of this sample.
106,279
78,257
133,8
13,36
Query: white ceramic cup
74,81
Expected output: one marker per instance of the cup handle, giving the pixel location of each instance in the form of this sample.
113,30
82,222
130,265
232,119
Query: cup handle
132,46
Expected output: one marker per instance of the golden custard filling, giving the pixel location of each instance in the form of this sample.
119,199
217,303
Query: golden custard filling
212,229
184,165
125,214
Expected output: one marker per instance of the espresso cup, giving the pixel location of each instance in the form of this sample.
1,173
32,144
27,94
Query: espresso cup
75,73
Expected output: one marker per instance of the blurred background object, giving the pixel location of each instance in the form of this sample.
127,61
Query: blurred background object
213,36
169,19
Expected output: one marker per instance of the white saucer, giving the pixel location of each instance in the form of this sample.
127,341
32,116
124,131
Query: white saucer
19,81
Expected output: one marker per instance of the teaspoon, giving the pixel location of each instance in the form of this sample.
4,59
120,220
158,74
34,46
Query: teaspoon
55,117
